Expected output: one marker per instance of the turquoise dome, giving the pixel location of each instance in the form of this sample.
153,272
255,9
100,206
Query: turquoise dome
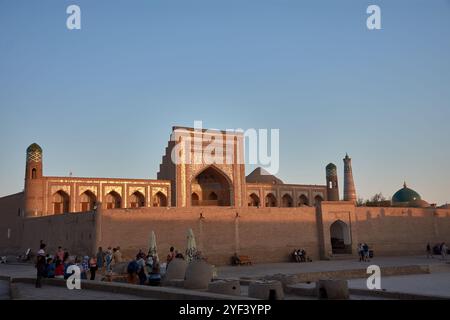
405,195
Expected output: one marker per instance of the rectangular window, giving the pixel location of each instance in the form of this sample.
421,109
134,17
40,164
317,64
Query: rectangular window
9,233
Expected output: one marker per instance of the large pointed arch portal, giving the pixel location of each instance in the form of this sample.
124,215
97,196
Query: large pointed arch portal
211,187
341,241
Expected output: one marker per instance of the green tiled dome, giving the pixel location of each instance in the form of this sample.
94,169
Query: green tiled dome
331,166
34,147
405,195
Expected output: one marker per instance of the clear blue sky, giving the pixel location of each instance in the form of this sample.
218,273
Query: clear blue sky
101,100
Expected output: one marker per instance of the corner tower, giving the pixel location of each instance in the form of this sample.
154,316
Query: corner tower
332,183
349,184
33,181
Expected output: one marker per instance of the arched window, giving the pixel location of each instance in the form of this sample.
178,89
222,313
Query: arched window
113,200
33,173
340,237
194,199
271,200
303,201
212,196
253,200
286,201
61,202
137,200
160,200
87,201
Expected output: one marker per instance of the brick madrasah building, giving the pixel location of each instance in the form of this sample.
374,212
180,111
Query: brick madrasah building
257,215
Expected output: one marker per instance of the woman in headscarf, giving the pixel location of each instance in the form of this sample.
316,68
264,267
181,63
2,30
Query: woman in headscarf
108,259
84,267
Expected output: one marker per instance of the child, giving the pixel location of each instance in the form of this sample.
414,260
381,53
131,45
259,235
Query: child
50,270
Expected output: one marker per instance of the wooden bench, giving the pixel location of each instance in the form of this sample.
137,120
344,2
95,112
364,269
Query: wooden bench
245,260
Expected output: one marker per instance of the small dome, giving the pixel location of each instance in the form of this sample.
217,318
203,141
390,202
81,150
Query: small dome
331,169
419,204
34,147
405,195
331,166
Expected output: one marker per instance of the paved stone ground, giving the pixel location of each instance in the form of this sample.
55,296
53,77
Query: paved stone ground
434,284
4,290
47,292
17,270
260,270
430,284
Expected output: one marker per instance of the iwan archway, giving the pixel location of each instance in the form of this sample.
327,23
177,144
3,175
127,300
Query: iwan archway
341,241
211,187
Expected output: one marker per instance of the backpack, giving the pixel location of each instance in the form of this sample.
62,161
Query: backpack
133,267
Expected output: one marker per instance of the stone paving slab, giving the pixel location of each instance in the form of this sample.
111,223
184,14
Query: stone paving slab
434,284
4,290
291,268
25,291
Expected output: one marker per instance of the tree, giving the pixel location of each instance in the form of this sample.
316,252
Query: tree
360,202
377,198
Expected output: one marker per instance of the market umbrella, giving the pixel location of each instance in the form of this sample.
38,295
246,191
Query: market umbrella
191,246
152,249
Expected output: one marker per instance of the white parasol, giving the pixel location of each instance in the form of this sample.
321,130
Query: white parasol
191,246
152,249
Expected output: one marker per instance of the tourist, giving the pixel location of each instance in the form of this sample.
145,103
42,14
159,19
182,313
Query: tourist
360,252
139,254
132,270
171,255
84,267
59,269
366,252
154,278
294,255
93,267
141,273
50,269
66,255
40,265
235,261
41,251
302,255
59,254
100,258
429,251
444,249
108,259
149,263
70,261
117,256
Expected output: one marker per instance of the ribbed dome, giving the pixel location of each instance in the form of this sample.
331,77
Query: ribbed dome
34,147
331,169
331,166
405,195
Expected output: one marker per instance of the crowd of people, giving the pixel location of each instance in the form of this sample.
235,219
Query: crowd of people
363,252
299,255
439,249
56,266
143,269
146,268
